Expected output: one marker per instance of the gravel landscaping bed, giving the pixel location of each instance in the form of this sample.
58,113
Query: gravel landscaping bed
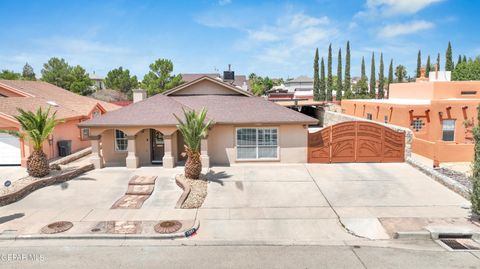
198,192
457,176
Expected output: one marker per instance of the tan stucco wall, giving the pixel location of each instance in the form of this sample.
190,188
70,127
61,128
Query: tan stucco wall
204,87
111,157
292,141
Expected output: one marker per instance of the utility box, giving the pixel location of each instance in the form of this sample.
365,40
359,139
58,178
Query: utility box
64,147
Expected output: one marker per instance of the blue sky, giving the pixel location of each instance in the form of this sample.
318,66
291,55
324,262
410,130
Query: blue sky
274,38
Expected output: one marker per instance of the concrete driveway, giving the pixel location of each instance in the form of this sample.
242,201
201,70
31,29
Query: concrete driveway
313,202
264,202
11,173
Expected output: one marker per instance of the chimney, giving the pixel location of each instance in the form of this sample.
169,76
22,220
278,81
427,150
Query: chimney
228,76
139,95
436,71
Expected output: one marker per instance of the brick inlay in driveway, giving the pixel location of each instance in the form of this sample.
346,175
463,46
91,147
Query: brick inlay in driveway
139,189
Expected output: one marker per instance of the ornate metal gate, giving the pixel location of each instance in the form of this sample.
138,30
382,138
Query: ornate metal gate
356,141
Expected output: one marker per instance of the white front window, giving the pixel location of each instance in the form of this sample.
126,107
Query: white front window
257,143
121,141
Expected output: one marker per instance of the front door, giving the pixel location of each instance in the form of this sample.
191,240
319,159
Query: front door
158,146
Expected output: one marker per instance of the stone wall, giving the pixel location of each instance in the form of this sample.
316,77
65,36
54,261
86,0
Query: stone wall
331,118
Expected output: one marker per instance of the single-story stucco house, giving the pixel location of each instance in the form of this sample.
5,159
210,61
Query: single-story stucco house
247,128
31,95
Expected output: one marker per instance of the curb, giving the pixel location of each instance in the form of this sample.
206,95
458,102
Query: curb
186,190
422,235
176,235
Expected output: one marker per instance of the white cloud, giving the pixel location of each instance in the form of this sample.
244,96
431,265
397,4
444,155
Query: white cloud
395,7
262,36
393,30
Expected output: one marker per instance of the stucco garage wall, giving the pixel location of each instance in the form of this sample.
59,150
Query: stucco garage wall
292,142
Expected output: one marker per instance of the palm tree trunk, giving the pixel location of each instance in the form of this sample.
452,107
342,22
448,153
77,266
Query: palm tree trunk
37,164
193,166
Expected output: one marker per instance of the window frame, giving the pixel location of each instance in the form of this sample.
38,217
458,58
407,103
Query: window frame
116,142
453,131
369,116
257,146
82,134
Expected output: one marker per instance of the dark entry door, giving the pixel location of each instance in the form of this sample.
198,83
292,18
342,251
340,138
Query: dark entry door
158,146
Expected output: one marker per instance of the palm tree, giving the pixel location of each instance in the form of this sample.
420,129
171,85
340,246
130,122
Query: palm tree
36,127
193,129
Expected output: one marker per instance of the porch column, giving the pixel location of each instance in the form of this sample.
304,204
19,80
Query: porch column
132,159
204,153
97,158
168,160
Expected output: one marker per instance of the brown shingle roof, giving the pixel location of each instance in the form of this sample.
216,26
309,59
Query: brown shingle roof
242,109
223,109
155,111
42,92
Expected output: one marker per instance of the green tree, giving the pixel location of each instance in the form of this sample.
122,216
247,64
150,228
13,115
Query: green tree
10,75
469,70
28,73
464,58
57,72
323,94
80,81
373,80
438,61
160,78
381,79
316,78
459,60
400,73
347,83
475,195
119,79
339,86
390,77
419,63
194,127
361,87
449,66
329,74
35,128
428,68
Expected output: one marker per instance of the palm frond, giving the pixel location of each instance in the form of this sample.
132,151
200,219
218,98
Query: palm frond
193,127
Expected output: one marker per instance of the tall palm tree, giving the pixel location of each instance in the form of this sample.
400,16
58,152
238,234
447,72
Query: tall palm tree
36,127
193,129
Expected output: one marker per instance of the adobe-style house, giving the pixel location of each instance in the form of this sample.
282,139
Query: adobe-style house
441,115
247,128
30,95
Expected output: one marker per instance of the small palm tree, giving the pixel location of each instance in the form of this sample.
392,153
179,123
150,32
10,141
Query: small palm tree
193,129
36,127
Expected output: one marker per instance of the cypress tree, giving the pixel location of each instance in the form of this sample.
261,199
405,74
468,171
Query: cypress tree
464,58
427,67
419,63
347,83
438,62
339,87
448,58
459,61
322,81
373,80
390,77
381,79
363,84
329,74
475,195
316,78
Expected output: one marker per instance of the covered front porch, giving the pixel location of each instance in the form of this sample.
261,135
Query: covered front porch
142,146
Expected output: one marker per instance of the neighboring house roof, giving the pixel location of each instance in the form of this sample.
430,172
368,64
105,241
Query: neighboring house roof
42,94
240,80
95,77
238,108
300,79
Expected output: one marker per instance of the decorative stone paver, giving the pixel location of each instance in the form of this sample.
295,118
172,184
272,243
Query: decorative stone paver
124,227
168,227
139,189
57,227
